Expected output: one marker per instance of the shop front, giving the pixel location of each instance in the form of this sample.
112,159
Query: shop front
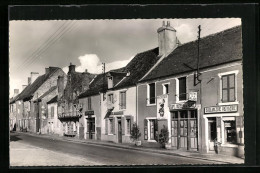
224,129
90,124
184,126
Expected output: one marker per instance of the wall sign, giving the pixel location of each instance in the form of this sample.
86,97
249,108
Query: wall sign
162,104
193,96
117,113
220,109
89,112
185,105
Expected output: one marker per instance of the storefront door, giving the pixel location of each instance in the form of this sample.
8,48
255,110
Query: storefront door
184,129
212,133
91,127
119,131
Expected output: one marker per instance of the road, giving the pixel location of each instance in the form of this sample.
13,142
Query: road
29,150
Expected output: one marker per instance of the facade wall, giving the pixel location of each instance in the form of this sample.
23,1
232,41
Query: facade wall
12,117
208,94
54,125
118,115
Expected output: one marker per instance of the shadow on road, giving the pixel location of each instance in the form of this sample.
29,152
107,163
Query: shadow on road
14,137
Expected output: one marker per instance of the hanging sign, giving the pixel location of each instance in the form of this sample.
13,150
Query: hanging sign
89,112
185,105
162,104
220,109
193,96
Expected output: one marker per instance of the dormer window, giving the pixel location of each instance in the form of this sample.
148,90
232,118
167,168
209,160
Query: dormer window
110,82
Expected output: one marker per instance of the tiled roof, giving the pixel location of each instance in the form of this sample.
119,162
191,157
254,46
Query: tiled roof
53,100
216,49
12,100
138,67
28,92
47,92
99,84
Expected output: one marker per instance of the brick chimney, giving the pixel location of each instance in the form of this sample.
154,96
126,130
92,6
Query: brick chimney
16,92
29,80
34,76
167,38
71,68
60,84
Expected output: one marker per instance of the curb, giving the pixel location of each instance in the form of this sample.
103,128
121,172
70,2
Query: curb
126,147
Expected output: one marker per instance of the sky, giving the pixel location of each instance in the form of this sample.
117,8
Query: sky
36,45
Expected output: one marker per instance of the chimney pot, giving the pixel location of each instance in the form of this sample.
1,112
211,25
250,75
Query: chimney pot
168,23
47,70
16,92
29,80
163,23
24,86
71,68
34,76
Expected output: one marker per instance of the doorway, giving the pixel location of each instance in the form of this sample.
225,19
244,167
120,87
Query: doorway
91,128
119,131
212,132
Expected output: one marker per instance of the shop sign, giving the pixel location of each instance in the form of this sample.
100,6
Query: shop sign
89,112
117,113
185,105
220,109
193,96
162,104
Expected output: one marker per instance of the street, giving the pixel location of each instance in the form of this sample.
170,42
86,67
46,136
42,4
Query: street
28,150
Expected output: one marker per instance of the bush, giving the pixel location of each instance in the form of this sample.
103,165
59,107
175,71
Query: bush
135,133
163,137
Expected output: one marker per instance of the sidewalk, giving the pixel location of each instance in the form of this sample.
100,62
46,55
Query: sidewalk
196,155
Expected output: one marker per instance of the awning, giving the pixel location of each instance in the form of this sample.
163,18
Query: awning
108,113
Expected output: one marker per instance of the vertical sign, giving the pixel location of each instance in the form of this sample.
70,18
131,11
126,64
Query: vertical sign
162,105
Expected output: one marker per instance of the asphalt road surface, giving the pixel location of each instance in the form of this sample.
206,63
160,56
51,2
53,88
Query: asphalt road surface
39,151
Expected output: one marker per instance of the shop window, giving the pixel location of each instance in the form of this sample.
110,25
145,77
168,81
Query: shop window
151,93
182,88
230,131
110,126
89,103
122,100
165,88
228,88
128,126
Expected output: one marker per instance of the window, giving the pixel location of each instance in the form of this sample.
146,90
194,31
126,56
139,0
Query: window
165,88
122,102
128,126
182,88
228,88
230,131
89,103
151,93
152,129
110,98
52,112
110,126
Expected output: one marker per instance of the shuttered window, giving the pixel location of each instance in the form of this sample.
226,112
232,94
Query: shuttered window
145,129
228,88
128,126
111,98
151,89
111,126
122,100
182,88
89,103
52,112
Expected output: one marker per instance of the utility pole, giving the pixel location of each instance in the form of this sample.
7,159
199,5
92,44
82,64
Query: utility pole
196,76
104,79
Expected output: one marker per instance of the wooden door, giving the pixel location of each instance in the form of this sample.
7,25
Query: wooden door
183,143
119,132
193,134
212,133
91,128
174,128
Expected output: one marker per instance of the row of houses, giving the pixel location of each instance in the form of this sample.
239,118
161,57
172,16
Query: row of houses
199,100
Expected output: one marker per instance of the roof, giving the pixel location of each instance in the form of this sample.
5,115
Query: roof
47,92
99,84
12,100
138,67
28,92
53,100
216,49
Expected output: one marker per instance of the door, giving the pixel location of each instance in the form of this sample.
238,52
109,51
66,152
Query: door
212,133
91,128
183,135
119,131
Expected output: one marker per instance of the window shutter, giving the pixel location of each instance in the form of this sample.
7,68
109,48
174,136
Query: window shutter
52,112
156,127
123,125
106,126
114,125
145,130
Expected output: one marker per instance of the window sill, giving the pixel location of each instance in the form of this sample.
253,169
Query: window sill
151,104
151,140
110,134
229,145
228,103
181,101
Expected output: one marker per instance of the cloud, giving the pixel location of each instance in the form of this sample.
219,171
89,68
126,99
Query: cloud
15,84
93,64
185,33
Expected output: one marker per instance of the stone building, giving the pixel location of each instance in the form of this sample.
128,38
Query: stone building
69,109
200,102
12,111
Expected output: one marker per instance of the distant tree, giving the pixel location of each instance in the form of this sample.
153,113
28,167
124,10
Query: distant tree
163,137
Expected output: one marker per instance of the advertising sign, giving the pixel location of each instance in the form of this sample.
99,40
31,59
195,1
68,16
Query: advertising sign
89,112
185,105
162,106
193,96
220,109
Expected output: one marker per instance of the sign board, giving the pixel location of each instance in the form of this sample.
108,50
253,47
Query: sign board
193,96
162,105
221,109
185,105
89,112
117,113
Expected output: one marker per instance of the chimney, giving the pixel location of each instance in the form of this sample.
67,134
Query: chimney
29,80
24,86
16,92
34,76
60,83
47,70
167,38
71,68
